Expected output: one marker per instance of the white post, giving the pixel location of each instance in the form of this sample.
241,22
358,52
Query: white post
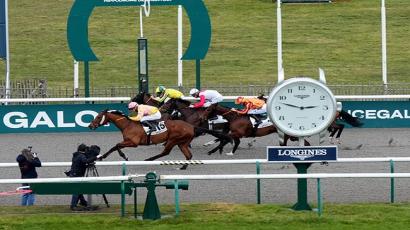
180,46
279,38
384,45
76,76
141,28
8,94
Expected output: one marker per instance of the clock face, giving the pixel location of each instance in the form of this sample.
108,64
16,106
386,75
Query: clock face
301,107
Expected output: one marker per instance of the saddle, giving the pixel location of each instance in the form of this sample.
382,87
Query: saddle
154,127
215,120
265,121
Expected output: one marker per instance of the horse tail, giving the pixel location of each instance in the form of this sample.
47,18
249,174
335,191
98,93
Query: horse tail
199,131
353,121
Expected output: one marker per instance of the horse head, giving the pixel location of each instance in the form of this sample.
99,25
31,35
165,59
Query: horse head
99,120
140,98
106,116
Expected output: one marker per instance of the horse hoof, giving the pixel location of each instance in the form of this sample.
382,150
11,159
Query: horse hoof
229,154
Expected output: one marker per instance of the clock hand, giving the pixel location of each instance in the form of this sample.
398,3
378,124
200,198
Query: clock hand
295,106
310,107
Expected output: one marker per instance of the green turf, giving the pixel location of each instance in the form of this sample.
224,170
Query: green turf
342,37
214,216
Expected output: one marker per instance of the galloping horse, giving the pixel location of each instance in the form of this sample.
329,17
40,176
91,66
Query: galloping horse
337,127
241,126
178,133
196,117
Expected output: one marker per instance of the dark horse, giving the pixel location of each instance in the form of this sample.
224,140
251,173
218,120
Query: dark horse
146,98
195,116
178,133
241,126
337,126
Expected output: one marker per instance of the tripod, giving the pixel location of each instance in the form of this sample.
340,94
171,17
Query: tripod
91,171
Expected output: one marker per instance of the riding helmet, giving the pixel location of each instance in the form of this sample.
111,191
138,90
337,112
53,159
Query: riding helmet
193,91
160,89
132,105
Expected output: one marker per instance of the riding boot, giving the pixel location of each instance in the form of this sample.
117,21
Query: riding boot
151,129
150,126
258,121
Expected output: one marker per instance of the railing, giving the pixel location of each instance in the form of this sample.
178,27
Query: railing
257,162
28,91
175,178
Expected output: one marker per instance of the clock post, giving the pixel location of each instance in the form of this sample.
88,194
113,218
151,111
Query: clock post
301,107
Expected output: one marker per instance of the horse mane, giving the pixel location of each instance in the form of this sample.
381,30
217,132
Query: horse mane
116,112
183,101
139,98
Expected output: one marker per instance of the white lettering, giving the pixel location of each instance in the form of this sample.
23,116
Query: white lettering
60,121
18,122
396,114
406,114
370,114
383,114
42,119
79,117
358,113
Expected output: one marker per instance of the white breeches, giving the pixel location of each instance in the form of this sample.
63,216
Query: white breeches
152,117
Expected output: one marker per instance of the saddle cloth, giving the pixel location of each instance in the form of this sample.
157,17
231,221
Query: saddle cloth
265,122
217,120
159,127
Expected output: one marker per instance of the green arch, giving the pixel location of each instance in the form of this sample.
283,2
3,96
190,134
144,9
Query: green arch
77,26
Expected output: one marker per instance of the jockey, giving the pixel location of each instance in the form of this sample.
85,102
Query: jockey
253,107
163,94
144,113
206,98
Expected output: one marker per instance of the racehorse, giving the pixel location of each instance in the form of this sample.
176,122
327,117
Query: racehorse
145,98
178,133
337,127
196,117
241,126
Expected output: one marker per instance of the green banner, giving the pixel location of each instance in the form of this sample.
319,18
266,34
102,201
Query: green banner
380,114
76,118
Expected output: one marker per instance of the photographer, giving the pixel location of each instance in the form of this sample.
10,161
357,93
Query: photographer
84,157
28,161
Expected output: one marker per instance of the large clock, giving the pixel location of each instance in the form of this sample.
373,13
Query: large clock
301,107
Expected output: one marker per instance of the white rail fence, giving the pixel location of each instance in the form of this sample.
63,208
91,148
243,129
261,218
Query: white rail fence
175,178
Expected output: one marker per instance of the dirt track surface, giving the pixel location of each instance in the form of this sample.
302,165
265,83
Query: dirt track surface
375,143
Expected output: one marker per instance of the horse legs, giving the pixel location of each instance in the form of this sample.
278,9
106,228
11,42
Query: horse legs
188,155
118,148
340,130
341,127
211,142
237,141
166,151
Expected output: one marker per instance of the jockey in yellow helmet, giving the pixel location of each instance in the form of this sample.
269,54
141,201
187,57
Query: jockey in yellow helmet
163,94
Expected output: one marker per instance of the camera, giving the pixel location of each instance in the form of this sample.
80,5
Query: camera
92,151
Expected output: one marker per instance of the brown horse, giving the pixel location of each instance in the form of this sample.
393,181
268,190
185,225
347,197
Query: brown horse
195,116
178,133
241,126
